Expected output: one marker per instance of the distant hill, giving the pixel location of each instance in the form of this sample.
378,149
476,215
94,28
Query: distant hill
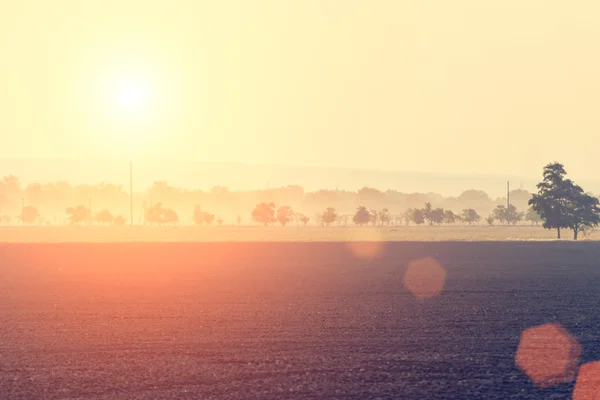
239,176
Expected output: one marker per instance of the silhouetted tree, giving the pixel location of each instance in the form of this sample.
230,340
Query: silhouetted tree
563,204
155,214
119,220
329,216
427,213
449,217
507,215
373,218
304,219
584,214
104,217
170,217
78,215
407,216
264,213
361,216
418,216
29,215
343,219
202,217
285,214
238,219
532,216
490,220
384,217
470,216
434,216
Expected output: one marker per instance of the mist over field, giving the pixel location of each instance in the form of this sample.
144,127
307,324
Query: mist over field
247,176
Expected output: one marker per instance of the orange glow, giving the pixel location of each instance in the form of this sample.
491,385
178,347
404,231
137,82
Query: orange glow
548,354
587,386
425,278
366,243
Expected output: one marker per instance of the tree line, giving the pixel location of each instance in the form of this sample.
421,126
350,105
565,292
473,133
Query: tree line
52,198
559,204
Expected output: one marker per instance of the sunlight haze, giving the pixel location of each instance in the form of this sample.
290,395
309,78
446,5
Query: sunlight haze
453,87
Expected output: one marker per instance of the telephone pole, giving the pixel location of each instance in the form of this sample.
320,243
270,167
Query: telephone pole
131,191
507,195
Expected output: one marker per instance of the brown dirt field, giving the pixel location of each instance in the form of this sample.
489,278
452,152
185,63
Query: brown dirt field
285,320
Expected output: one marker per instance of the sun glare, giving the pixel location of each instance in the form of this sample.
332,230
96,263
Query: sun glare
131,95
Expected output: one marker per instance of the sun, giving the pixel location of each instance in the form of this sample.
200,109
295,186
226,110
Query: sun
132,95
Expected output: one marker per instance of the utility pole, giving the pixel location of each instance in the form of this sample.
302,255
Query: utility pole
507,195
131,191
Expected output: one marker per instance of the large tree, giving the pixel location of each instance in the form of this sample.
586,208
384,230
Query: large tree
563,204
361,216
584,213
470,216
104,217
285,214
264,213
508,215
79,214
329,216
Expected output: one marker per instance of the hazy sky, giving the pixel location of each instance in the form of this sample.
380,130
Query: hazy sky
443,86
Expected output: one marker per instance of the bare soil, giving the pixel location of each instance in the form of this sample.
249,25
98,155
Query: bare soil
285,320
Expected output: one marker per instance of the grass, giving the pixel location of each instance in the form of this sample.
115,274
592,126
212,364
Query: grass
276,234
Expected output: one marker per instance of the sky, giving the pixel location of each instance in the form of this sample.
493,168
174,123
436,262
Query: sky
455,87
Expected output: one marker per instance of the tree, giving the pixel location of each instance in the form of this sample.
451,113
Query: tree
264,213
361,216
202,217
427,213
418,216
155,214
384,216
78,214
329,216
436,216
563,204
508,215
285,214
584,214
490,220
119,220
407,216
29,214
304,219
219,221
532,216
373,217
470,216
343,219
5,219
238,219
170,217
499,214
104,217
449,217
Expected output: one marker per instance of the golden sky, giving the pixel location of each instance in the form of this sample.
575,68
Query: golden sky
443,86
